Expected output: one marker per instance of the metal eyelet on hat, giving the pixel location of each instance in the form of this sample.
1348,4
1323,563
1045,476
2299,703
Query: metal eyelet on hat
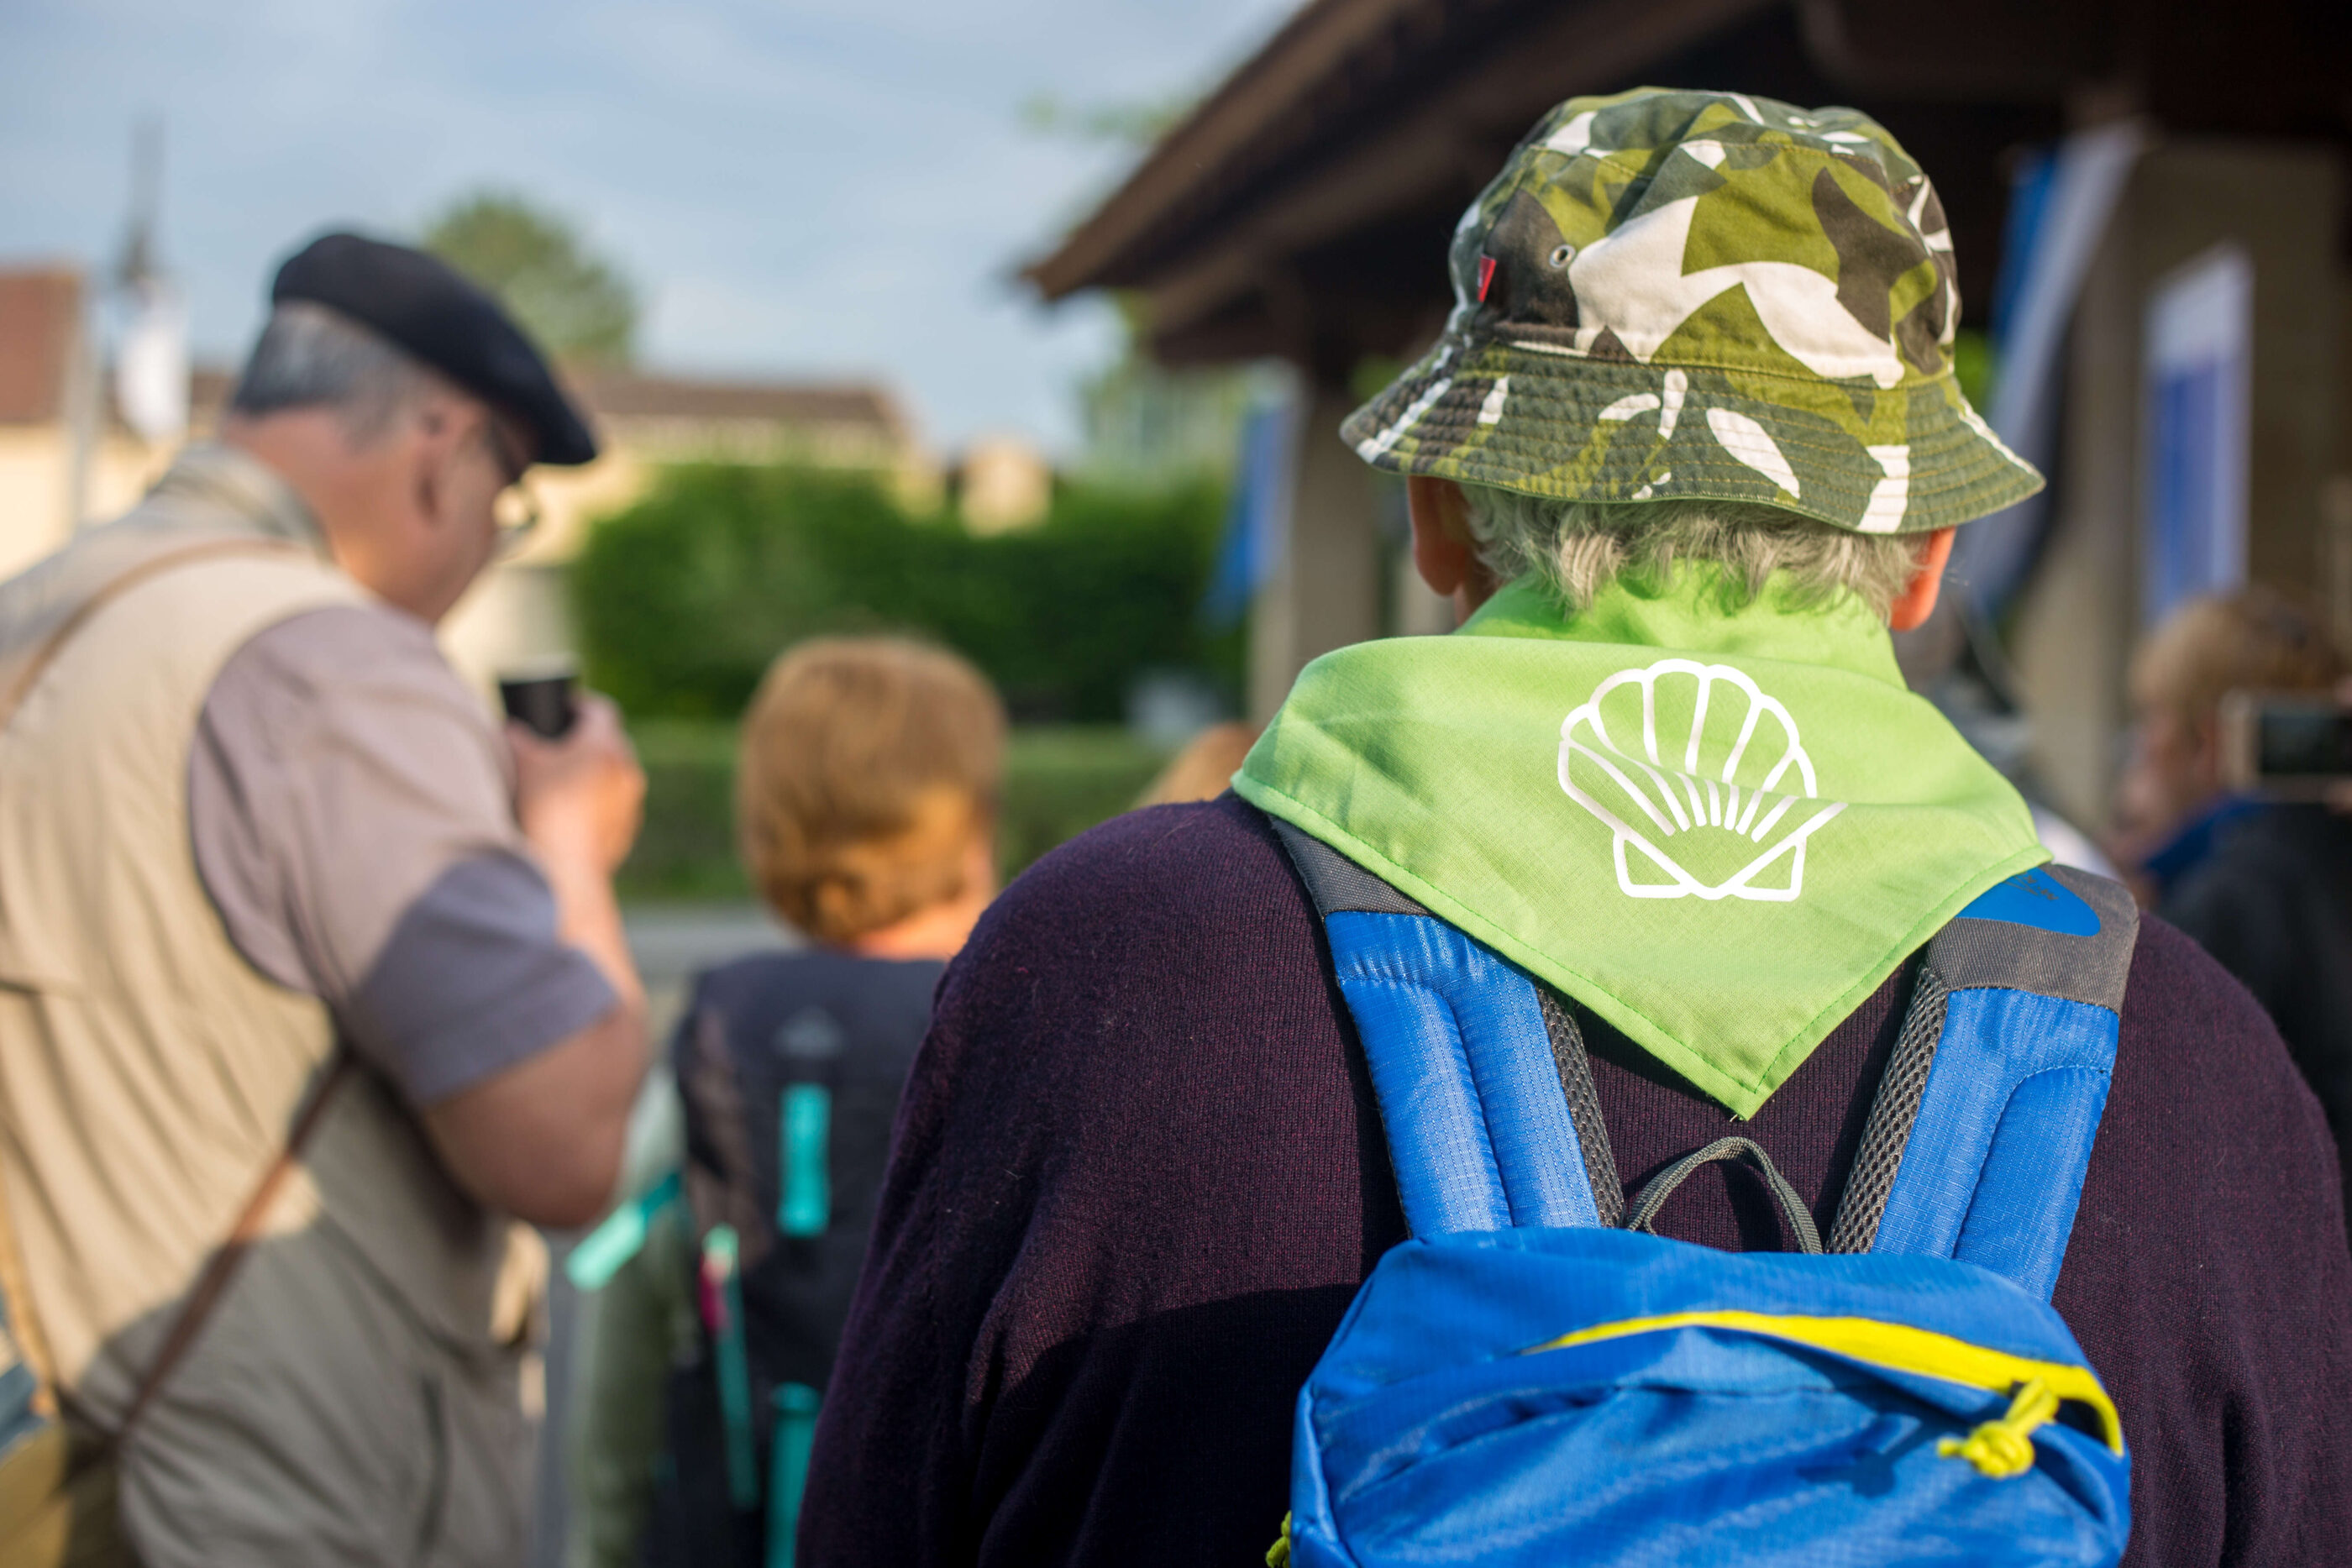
1561,254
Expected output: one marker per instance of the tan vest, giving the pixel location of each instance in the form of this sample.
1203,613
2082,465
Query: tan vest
148,1077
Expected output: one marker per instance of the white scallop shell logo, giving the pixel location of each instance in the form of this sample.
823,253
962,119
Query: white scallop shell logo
1701,780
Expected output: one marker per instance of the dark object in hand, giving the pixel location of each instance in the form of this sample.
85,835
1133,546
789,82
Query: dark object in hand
2292,745
542,703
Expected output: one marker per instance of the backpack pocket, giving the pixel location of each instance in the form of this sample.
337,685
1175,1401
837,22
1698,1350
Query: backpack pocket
1725,1428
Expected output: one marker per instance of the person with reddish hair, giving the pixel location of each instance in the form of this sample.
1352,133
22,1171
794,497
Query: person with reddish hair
866,791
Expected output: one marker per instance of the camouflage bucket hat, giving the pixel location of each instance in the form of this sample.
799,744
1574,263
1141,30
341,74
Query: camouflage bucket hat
1676,295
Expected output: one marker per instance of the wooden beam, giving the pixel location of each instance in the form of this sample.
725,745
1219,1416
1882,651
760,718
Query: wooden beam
1437,148
2014,51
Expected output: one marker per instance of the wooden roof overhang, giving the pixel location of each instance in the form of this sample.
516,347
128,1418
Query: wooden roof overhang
1303,209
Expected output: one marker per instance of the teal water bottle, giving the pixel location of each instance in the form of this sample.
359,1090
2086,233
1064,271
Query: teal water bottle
805,1119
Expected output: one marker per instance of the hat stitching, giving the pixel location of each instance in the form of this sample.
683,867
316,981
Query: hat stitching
1717,466
1969,477
1449,420
1958,477
1843,384
1538,385
1973,442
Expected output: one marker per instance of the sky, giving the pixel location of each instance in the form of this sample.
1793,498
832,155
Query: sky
805,188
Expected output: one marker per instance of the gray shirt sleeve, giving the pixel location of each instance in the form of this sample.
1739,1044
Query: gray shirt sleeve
350,810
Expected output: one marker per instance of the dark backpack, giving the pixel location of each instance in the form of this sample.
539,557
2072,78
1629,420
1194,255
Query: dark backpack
789,1068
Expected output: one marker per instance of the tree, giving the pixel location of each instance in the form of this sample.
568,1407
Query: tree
577,305
1134,123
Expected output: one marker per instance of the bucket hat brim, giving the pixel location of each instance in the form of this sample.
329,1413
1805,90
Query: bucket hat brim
1549,420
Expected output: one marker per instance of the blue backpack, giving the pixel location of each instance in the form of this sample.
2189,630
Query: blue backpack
1535,1378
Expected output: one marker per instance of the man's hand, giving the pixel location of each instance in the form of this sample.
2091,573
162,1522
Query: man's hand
542,1140
582,797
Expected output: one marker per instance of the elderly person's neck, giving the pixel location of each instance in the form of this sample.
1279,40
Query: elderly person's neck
349,488
1458,565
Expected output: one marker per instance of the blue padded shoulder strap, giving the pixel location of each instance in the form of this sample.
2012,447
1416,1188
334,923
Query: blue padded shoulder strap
1480,1131
1977,1142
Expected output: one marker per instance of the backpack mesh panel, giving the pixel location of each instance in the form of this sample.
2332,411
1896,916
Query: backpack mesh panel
1583,1106
1891,1116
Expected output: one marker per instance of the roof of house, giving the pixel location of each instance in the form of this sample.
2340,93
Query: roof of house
40,318
1302,208
41,313
623,395
628,395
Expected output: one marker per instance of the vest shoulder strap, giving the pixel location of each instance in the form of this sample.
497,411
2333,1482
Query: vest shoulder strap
1981,1131
27,671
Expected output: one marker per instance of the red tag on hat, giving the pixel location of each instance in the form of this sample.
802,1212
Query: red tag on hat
1486,275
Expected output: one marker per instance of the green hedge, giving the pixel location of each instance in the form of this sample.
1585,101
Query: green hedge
682,600
1059,781
687,847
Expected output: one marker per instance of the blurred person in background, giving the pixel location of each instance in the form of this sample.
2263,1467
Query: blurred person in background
1205,767
311,981
866,799
2263,885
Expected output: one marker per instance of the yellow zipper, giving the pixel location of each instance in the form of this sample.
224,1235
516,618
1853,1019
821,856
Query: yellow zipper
2038,1387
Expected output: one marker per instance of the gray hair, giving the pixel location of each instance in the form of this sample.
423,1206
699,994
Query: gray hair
309,356
1579,547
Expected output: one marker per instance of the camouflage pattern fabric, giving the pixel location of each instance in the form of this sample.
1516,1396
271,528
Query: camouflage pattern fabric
1676,295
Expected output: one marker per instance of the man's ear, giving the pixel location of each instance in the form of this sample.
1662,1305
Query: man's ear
1442,552
433,433
1918,600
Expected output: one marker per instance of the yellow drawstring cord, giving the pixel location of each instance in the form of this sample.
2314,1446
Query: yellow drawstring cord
2003,1448
1278,1554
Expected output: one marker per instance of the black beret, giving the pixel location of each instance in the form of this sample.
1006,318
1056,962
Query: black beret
435,312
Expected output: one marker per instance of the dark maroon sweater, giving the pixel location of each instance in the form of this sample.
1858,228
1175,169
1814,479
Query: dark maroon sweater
1139,1174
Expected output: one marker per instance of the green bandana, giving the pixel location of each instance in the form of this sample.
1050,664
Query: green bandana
1720,832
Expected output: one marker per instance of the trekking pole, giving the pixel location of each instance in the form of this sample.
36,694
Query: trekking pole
622,1236
722,1313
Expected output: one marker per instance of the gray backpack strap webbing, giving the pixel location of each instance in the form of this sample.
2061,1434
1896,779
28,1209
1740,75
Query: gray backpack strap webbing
1661,1186
1981,1130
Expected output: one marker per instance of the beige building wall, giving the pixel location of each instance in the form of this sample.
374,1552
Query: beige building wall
1005,484
514,621
37,486
35,492
123,469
